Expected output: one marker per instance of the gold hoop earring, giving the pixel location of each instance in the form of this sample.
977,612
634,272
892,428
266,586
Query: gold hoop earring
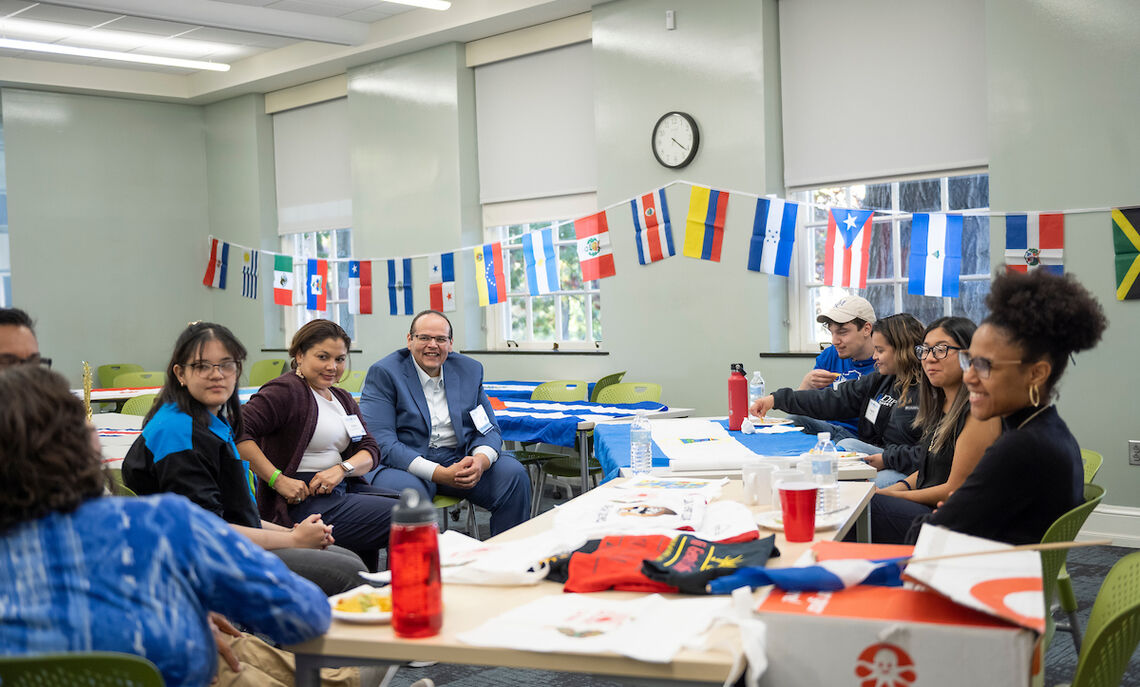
298,371
1034,396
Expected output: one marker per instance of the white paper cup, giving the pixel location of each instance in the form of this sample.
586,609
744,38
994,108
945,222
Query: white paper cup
788,475
757,478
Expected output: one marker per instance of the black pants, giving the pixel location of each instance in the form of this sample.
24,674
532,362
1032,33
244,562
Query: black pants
360,514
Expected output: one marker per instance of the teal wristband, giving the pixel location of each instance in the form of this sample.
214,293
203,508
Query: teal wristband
273,479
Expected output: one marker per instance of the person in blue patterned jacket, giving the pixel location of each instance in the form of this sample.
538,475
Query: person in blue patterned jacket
83,572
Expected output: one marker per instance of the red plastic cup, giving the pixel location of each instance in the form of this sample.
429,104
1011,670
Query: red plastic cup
797,502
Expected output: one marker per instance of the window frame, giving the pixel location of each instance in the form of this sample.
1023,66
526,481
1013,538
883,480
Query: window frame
302,247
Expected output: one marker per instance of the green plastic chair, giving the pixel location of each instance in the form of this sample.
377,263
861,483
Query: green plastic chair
264,370
353,382
560,390
1114,627
1064,528
108,373
139,405
603,383
130,380
1066,597
1092,462
630,392
117,486
92,669
446,503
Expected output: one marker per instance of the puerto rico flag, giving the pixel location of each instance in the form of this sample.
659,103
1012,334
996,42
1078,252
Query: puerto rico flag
1035,240
652,229
848,248
704,227
318,284
400,287
216,265
249,270
489,279
935,254
360,287
595,252
773,235
441,281
283,280
541,263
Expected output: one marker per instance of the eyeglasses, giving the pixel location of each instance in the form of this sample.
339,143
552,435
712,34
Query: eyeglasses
426,338
981,365
940,351
227,368
8,360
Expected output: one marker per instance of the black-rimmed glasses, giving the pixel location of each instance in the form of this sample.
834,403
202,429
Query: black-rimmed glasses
34,359
426,338
940,351
227,368
983,366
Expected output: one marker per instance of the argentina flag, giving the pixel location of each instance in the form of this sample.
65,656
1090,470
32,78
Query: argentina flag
541,263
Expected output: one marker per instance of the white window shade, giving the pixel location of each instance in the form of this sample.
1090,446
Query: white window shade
535,119
881,89
314,187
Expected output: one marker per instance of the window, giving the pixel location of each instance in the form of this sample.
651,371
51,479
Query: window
570,317
320,244
890,249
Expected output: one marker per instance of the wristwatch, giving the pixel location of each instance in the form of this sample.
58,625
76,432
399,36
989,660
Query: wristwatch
347,467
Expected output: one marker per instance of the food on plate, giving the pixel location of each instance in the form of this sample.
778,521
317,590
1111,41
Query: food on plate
365,602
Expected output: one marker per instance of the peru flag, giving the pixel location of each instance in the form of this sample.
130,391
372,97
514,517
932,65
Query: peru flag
595,253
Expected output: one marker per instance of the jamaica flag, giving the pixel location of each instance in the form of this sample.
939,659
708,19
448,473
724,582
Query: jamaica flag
1126,245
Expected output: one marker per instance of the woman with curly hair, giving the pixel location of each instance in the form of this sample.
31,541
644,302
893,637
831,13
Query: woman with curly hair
1032,473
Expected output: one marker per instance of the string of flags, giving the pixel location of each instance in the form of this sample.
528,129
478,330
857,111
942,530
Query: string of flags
1033,240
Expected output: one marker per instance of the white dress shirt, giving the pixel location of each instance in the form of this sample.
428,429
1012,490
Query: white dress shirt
442,431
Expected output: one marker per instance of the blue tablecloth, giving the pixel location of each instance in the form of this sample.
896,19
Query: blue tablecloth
510,390
553,422
611,446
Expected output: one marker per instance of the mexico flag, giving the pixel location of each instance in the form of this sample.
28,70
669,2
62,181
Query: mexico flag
283,280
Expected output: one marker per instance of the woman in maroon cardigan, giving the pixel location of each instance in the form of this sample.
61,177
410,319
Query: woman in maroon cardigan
305,440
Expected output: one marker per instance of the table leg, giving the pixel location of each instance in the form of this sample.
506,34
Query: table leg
863,525
584,456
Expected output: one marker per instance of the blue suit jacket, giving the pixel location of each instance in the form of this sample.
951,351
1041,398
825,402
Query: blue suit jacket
396,413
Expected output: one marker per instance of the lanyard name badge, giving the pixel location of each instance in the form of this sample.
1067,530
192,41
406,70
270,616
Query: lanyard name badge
479,417
872,410
354,427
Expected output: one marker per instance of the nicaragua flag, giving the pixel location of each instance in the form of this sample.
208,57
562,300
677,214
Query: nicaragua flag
827,576
935,254
360,287
1035,240
704,227
318,284
249,268
489,279
216,265
441,282
848,248
773,235
652,228
541,263
400,287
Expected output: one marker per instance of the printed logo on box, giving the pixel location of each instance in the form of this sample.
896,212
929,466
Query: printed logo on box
885,665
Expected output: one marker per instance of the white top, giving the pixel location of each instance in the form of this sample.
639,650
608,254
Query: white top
330,438
442,431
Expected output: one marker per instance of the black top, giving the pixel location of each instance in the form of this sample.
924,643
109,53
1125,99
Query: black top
934,466
892,423
1028,478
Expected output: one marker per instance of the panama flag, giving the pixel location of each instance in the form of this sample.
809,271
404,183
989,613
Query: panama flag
935,254
848,248
773,235
704,227
318,284
1035,240
489,279
595,252
653,231
541,265
441,281
218,262
283,280
249,269
400,287
360,287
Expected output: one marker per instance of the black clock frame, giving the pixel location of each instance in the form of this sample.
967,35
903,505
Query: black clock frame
696,139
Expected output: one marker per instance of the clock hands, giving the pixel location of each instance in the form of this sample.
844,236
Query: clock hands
679,144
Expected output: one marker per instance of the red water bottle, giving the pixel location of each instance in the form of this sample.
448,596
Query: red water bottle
413,557
737,397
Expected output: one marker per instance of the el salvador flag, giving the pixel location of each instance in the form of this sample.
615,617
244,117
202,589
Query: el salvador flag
400,287
541,265
935,254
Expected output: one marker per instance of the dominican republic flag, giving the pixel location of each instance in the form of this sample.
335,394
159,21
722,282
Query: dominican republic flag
541,263
773,235
704,227
825,577
935,254
848,248
217,264
441,281
250,260
400,287
595,252
489,279
318,284
652,229
283,280
360,287
1035,240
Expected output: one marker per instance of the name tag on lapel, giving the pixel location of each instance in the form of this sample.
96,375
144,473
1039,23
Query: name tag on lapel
354,426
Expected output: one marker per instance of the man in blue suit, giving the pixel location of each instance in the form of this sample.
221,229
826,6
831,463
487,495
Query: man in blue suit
436,429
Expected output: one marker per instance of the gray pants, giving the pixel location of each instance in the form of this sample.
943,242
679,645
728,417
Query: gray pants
334,569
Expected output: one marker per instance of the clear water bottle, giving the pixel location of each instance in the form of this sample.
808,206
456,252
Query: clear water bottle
825,470
755,387
640,446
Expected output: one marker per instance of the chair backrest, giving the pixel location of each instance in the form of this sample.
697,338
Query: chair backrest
1113,630
264,370
1092,461
107,373
91,669
630,392
118,488
1064,528
353,381
560,390
604,382
138,379
139,405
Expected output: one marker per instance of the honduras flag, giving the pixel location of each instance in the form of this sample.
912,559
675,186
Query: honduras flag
827,576
773,235
541,263
935,254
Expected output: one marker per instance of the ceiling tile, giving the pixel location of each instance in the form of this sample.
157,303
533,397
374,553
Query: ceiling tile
68,15
206,33
252,3
377,13
154,27
7,7
301,7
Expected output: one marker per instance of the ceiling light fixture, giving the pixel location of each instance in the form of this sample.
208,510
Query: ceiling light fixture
57,49
426,4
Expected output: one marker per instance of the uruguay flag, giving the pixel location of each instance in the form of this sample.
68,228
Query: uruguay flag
1035,240
827,576
652,228
935,254
400,287
773,235
318,284
541,263
216,265
848,248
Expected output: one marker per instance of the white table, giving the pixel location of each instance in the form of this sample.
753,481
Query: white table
116,434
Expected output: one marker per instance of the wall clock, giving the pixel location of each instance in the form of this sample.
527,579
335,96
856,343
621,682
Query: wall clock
675,139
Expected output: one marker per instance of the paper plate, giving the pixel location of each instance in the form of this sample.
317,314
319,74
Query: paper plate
774,520
769,421
373,616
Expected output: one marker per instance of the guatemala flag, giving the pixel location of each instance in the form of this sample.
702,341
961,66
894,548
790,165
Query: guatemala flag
541,263
935,254
773,235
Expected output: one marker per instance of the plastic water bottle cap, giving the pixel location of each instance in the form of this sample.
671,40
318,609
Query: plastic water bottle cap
824,436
